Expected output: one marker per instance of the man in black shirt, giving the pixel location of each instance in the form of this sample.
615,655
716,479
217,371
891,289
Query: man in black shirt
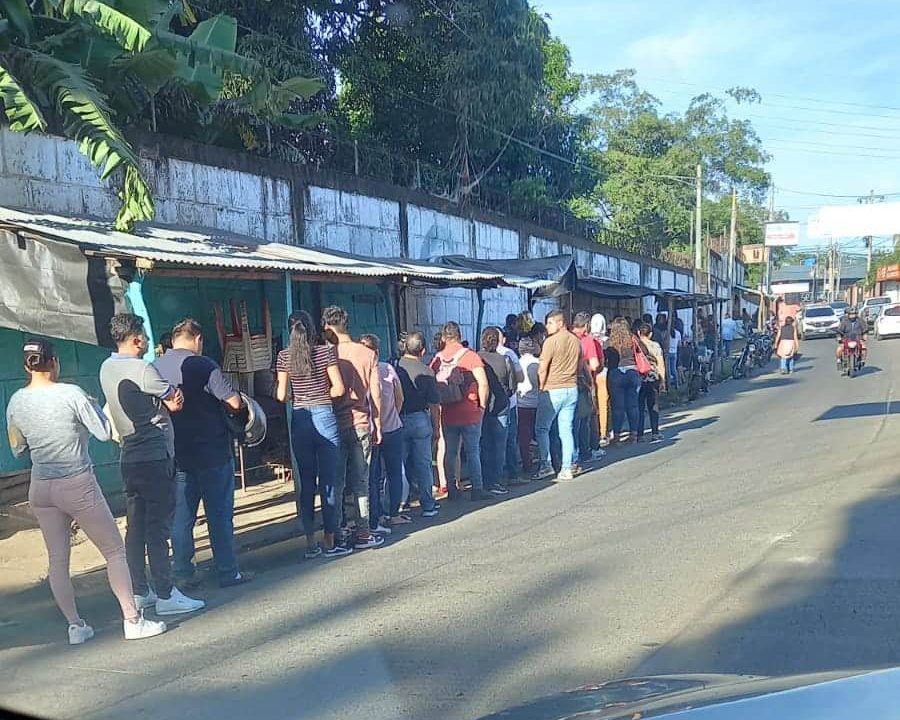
853,327
421,418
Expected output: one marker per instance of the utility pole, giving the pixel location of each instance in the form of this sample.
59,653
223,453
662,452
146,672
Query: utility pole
698,252
732,247
869,200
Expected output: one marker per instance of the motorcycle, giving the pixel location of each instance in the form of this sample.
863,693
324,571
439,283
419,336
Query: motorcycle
699,372
851,357
764,348
742,365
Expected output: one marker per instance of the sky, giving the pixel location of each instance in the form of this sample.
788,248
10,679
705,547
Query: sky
828,73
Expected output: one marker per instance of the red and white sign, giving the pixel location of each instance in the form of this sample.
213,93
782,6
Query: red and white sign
783,234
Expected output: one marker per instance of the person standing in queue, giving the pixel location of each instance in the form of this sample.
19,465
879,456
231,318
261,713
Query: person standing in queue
464,391
624,380
560,362
652,384
139,402
513,463
52,422
496,420
307,372
592,354
204,452
421,419
359,418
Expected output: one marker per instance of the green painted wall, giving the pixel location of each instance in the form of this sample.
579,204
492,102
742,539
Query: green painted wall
170,300
79,364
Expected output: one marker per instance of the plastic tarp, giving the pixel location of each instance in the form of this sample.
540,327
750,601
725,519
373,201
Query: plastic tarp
50,288
612,289
545,277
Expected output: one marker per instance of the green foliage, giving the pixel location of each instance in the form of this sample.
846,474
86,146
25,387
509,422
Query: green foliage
88,68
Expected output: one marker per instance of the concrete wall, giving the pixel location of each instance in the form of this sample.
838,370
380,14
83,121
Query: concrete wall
269,202
50,174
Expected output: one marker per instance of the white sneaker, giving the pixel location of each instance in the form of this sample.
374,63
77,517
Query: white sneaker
143,628
598,454
80,633
144,601
178,603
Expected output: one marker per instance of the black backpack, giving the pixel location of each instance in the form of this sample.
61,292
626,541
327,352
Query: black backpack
498,400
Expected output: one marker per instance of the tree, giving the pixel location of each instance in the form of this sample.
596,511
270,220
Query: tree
89,69
645,163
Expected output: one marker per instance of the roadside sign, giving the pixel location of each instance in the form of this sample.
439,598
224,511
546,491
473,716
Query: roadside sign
784,234
754,254
809,262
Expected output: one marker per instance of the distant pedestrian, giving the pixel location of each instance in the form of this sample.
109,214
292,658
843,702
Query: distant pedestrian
53,423
592,355
527,395
729,331
624,380
675,341
501,376
510,332
598,330
387,456
139,401
421,419
746,321
651,384
513,463
359,415
661,334
308,374
786,345
463,387
560,362
204,451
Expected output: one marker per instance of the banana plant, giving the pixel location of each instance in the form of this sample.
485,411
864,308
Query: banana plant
82,67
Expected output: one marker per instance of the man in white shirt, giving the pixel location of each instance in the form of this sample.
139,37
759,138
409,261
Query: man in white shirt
729,328
513,465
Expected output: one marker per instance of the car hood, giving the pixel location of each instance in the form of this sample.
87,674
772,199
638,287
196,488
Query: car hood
822,696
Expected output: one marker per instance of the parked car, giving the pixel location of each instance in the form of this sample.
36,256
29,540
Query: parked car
818,321
888,322
867,311
840,308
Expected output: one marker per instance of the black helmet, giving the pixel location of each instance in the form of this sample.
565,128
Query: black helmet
852,310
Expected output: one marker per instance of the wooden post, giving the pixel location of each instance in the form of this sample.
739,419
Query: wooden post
393,327
479,294
285,342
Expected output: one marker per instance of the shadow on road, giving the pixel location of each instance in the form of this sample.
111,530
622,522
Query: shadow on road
870,409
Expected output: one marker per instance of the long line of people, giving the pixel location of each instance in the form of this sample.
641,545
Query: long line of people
367,434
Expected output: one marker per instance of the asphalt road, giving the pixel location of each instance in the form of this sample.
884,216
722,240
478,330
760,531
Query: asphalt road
761,537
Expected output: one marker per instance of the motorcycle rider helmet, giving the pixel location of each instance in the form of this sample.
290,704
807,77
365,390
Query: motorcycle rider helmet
851,311
249,425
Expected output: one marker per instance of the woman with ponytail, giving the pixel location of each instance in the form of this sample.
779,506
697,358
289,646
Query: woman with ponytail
53,422
308,373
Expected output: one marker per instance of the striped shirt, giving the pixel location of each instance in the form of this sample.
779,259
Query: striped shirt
312,389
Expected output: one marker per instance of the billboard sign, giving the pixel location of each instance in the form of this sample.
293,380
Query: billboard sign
843,221
783,234
786,288
754,254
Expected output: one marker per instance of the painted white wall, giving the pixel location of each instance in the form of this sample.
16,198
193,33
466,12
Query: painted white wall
49,174
352,223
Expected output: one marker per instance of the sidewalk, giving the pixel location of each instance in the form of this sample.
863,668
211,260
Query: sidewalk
263,515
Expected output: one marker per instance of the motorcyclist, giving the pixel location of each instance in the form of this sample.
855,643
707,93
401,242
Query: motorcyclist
851,327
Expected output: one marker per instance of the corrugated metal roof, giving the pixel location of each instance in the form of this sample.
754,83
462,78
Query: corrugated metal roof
216,249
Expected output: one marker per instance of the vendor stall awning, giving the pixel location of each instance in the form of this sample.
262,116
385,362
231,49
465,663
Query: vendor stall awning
216,249
55,279
546,277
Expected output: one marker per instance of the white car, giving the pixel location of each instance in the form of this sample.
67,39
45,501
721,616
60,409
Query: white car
818,321
888,321
868,311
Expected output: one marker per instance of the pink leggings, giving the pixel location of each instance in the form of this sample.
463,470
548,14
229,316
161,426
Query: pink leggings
55,503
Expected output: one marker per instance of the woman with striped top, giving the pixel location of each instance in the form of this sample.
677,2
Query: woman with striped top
309,369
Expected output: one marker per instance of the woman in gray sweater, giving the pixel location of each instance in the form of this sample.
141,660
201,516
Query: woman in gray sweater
54,422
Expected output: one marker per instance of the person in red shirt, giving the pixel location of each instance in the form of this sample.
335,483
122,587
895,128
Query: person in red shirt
587,435
461,420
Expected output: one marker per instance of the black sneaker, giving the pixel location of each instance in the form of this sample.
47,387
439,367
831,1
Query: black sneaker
480,496
498,490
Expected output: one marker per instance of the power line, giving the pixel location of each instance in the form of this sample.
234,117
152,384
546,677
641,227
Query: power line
829,195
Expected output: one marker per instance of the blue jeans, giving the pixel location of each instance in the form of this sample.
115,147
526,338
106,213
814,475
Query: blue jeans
513,460
494,435
787,364
386,464
624,389
418,436
672,377
557,405
215,486
727,347
470,437
315,438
